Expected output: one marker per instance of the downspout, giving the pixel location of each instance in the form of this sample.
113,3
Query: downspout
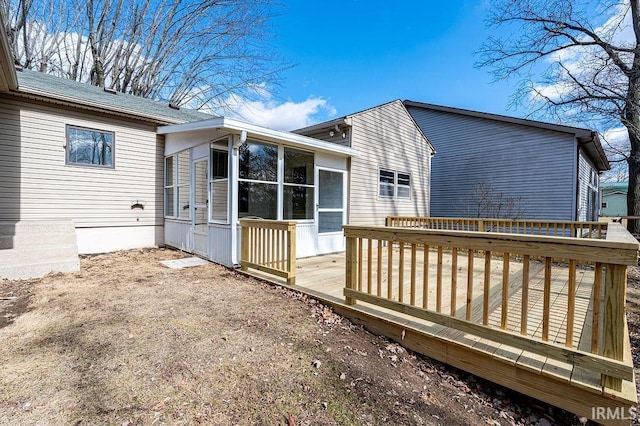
576,182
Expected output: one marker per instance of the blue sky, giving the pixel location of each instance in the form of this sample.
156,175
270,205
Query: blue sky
350,55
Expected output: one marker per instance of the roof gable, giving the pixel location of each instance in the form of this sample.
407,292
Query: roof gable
347,120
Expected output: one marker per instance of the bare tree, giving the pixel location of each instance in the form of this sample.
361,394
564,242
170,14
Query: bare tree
188,52
487,202
578,60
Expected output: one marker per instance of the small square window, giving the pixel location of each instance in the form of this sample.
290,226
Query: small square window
90,147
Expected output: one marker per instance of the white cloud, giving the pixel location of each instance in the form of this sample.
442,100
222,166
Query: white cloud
616,139
267,112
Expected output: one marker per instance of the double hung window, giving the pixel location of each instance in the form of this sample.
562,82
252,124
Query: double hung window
394,184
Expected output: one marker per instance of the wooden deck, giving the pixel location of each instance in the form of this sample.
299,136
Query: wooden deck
574,388
538,307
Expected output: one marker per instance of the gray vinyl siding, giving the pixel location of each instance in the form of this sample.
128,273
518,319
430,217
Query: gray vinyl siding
35,182
535,164
386,137
588,188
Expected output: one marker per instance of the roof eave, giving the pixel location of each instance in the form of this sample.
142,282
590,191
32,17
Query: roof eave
593,148
579,132
341,121
95,106
236,126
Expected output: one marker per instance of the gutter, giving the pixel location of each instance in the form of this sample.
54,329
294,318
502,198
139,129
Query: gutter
91,106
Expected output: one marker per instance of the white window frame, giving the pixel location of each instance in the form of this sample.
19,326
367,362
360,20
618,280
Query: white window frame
385,184
213,180
398,186
281,178
181,185
395,185
173,186
176,186
280,183
277,183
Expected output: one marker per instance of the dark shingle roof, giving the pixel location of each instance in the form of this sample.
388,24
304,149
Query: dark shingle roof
49,86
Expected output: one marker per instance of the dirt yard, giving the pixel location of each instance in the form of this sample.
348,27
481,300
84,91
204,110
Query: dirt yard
127,341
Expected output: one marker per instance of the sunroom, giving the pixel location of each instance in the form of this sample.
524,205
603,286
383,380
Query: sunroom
221,170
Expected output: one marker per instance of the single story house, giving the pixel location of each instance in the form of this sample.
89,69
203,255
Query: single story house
547,171
121,172
614,198
130,173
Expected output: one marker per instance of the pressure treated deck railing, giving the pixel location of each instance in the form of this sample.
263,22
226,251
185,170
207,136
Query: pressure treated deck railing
269,246
527,227
414,260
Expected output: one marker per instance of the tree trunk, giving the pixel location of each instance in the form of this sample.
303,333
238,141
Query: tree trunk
631,120
633,193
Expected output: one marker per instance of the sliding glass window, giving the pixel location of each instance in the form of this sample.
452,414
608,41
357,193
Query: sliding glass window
258,181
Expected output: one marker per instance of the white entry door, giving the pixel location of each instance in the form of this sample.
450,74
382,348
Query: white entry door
331,212
200,206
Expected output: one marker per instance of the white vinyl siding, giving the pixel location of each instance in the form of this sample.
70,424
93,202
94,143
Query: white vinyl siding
387,138
37,184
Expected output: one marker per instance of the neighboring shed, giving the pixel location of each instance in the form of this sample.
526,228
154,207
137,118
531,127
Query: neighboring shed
614,198
551,171
391,174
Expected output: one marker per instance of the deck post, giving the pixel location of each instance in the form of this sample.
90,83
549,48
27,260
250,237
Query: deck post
244,249
291,254
351,253
615,284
